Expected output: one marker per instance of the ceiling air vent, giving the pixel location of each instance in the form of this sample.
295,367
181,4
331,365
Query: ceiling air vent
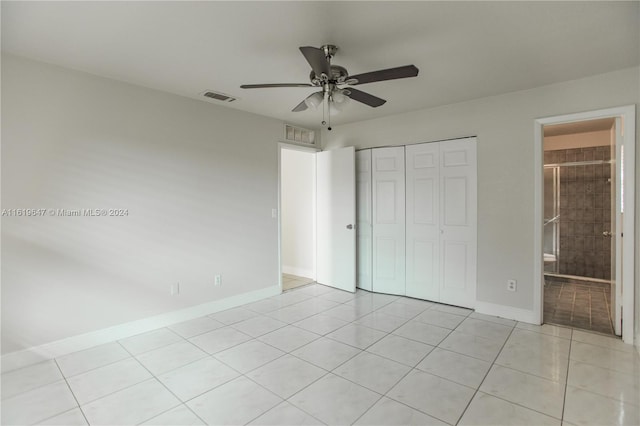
218,96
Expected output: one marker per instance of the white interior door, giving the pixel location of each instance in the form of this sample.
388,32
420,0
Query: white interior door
388,220
423,219
363,221
458,223
336,217
616,227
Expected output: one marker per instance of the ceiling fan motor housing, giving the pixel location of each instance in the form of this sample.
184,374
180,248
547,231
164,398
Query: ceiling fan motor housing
338,75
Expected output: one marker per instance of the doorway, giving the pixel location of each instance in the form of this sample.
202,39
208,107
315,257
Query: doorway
584,190
579,222
316,230
297,216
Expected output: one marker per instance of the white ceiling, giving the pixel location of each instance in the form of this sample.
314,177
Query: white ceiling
464,50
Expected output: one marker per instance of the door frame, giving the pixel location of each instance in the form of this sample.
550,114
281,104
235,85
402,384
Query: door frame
293,147
625,265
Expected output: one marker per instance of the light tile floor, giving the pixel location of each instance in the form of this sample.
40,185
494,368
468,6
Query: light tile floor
290,281
316,355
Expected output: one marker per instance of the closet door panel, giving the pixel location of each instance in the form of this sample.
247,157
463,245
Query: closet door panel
423,218
458,224
388,184
363,221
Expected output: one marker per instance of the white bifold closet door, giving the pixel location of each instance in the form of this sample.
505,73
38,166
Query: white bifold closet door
363,219
388,201
442,221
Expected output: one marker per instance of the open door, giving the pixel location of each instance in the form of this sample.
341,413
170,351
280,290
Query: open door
336,218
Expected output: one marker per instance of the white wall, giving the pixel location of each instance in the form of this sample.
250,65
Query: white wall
504,125
297,197
199,182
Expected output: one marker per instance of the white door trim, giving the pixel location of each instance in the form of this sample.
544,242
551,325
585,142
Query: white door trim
626,273
281,146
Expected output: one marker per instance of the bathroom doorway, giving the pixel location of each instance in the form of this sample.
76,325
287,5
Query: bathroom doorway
579,223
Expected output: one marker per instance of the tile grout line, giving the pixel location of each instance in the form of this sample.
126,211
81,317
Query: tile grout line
566,382
486,374
163,385
72,394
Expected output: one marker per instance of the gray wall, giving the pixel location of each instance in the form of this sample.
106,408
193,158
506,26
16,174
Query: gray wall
199,182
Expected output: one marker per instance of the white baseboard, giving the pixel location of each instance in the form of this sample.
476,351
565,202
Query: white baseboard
508,312
301,272
22,358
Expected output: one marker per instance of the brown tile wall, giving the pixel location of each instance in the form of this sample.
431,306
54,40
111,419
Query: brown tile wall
585,212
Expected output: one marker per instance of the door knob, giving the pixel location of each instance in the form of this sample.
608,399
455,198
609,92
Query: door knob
607,234
349,226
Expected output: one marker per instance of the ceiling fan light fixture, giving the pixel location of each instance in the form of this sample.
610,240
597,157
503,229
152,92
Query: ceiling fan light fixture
334,108
314,101
339,96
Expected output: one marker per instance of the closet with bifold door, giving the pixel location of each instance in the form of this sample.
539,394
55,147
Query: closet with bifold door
417,220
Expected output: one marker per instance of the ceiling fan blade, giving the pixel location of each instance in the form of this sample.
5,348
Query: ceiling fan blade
364,97
317,60
263,86
388,74
302,106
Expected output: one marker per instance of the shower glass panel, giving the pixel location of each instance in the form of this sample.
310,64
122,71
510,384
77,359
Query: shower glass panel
551,218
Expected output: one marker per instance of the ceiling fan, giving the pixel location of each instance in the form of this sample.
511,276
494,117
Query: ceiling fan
330,77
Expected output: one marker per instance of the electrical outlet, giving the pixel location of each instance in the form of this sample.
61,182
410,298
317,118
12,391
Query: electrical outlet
175,289
512,285
217,280
274,214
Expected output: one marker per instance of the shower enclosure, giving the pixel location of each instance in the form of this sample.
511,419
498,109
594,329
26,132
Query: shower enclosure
577,213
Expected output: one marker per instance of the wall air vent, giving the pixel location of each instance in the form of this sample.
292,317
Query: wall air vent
218,96
299,135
